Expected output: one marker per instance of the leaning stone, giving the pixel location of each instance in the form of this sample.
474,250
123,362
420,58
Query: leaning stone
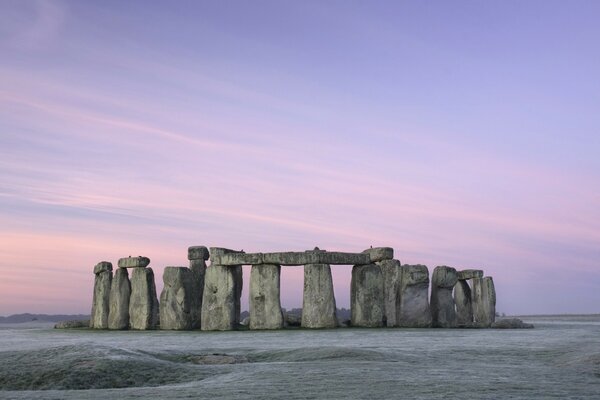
265,305
101,298
414,310
392,274
198,268
120,292
366,296
511,323
221,297
134,262
443,312
143,304
464,307
484,302
318,299
380,253
469,274
198,253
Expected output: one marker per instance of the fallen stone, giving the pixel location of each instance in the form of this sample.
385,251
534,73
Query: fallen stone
120,292
464,308
292,320
176,299
414,310
484,302
443,311
134,262
318,299
198,253
265,305
198,268
143,303
366,296
72,324
469,274
101,298
245,321
221,297
392,275
380,253
511,323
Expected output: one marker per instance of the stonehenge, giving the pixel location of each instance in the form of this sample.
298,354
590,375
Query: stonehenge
383,292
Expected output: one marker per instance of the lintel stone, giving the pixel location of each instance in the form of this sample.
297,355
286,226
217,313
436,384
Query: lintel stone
466,274
232,258
134,262
198,253
380,253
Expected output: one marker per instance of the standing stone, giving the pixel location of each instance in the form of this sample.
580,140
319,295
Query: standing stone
464,308
366,296
318,299
484,302
197,255
120,291
265,305
176,299
392,275
143,304
414,311
443,313
101,299
221,298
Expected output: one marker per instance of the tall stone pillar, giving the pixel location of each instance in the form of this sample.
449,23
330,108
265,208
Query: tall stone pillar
176,299
443,312
484,302
221,298
366,296
120,291
265,304
101,299
318,302
197,255
414,310
143,303
392,275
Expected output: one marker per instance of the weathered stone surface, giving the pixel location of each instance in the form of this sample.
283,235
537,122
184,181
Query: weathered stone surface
229,257
143,303
469,274
292,320
414,310
72,324
366,296
101,299
443,312
198,253
134,262
221,297
484,302
265,305
380,253
120,292
176,299
392,275
318,302
198,268
511,323
220,251
464,308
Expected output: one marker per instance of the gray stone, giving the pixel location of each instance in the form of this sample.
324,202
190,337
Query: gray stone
392,275
134,262
230,257
511,323
443,311
292,320
221,297
265,305
198,268
464,308
120,292
469,274
72,324
101,298
484,302
366,296
143,303
318,301
176,299
414,310
380,253
198,253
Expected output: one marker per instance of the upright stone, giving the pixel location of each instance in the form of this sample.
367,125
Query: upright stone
464,308
366,296
392,275
265,305
120,291
101,299
318,302
176,299
197,255
443,312
414,311
143,304
484,302
221,298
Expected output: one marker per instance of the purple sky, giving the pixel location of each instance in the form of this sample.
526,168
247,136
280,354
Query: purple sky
460,133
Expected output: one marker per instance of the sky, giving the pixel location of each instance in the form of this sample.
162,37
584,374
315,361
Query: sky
459,133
